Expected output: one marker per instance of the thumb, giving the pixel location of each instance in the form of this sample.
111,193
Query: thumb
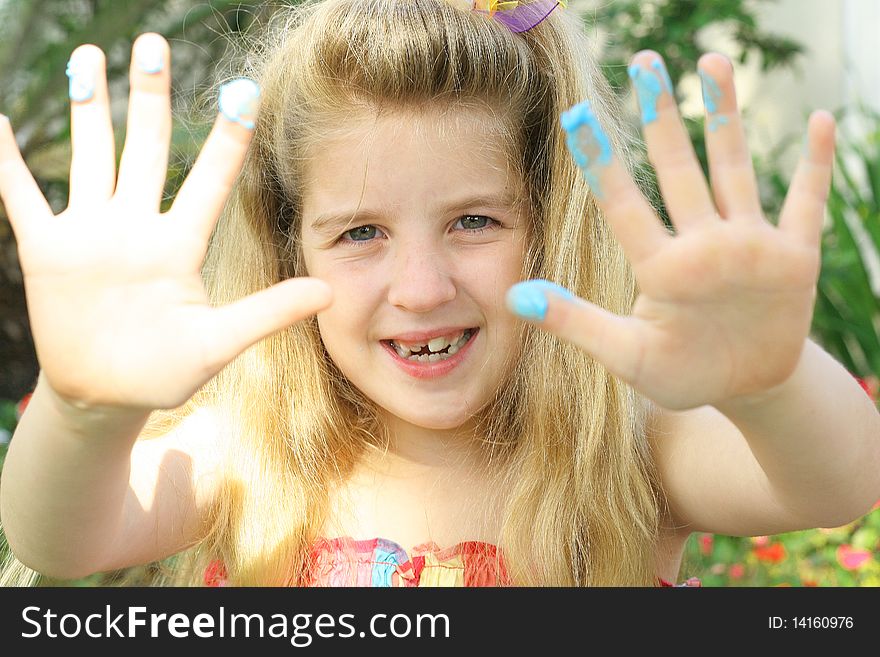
240,324
610,339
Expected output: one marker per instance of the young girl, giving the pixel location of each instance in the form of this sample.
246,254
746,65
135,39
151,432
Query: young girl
350,396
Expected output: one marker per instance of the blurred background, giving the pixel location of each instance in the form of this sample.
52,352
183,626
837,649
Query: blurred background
791,56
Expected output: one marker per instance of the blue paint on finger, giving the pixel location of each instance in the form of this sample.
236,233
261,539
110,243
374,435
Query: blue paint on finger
150,56
649,85
711,97
587,142
238,101
528,299
81,77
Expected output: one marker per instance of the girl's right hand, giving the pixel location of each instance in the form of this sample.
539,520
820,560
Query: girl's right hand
117,307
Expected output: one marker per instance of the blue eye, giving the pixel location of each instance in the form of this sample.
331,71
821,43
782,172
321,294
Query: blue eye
471,223
467,222
361,235
366,232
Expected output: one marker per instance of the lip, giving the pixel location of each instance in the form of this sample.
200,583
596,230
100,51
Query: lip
430,370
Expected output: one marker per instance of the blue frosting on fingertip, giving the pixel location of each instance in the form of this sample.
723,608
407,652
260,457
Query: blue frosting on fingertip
150,56
81,76
587,142
238,101
528,299
649,86
711,97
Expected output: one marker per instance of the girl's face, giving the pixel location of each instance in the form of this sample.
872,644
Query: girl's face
413,221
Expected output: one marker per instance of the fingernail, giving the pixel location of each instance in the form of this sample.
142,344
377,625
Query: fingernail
238,101
150,56
529,298
81,74
587,142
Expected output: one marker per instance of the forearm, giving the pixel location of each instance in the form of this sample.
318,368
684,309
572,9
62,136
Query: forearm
817,438
64,483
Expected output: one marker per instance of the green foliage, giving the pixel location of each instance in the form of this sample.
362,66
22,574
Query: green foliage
847,315
841,556
673,27
37,37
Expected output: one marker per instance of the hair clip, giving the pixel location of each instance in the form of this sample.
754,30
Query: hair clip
518,16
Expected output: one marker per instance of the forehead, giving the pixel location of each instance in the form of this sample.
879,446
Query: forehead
404,157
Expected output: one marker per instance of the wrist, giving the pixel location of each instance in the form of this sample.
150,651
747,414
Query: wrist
752,403
83,417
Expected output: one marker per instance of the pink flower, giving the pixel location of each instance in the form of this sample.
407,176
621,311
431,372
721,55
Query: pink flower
760,541
706,541
773,553
736,571
852,558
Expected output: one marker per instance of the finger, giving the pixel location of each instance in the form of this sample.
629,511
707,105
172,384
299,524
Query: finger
670,151
610,339
730,163
93,163
632,219
144,162
25,203
804,209
241,324
205,190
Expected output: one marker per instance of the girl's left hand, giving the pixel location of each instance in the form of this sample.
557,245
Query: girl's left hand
725,305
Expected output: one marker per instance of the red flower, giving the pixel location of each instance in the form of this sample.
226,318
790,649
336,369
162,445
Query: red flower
706,541
810,582
773,553
852,558
870,385
19,410
215,574
736,571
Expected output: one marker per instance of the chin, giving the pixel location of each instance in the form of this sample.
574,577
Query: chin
437,423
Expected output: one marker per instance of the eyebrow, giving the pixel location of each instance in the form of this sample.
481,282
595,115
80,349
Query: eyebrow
327,222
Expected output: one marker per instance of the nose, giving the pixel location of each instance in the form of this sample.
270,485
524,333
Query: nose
420,280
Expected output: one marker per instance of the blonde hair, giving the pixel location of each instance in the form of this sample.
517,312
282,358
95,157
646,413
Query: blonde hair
565,438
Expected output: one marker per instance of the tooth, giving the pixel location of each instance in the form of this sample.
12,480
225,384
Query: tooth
453,349
433,358
436,344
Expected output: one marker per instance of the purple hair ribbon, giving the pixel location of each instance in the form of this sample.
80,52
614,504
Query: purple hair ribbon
518,16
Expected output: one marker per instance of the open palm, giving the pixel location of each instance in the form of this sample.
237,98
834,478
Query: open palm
117,307
726,303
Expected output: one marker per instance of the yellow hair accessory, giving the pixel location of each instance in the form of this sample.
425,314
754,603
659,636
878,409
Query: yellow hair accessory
518,16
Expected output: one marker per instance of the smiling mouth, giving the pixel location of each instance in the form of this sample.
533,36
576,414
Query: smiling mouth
435,350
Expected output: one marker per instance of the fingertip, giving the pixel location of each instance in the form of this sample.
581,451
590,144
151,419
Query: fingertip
645,57
320,292
714,63
824,121
151,54
239,102
821,129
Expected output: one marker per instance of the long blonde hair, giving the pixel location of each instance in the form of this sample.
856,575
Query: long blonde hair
566,439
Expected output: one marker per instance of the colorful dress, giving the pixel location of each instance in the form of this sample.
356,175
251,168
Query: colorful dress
383,563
